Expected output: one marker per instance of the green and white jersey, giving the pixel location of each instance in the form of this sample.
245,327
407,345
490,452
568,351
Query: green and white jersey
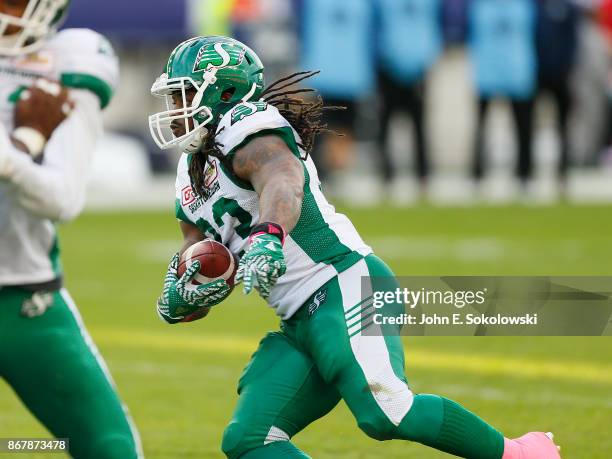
323,242
34,196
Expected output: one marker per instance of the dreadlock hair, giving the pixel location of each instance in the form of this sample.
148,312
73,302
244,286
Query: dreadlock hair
305,116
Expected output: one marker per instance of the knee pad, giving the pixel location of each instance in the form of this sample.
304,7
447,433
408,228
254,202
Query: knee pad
233,440
377,426
109,447
246,443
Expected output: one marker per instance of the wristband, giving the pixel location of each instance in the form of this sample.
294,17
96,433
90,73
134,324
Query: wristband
273,229
33,140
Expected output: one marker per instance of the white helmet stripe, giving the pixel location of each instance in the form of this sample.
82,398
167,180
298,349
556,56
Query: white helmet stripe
250,93
223,53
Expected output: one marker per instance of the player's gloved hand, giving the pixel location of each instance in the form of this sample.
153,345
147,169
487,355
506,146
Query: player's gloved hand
182,301
40,109
263,262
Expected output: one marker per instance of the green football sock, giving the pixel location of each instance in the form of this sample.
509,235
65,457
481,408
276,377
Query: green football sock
447,426
275,450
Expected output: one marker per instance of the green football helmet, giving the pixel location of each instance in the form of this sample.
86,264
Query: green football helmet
222,71
40,20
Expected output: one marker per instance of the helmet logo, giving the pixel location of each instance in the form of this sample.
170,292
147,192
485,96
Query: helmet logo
218,55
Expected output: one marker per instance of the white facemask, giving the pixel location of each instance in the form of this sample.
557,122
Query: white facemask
36,24
160,124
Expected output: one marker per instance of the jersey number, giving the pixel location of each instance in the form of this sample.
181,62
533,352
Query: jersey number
222,207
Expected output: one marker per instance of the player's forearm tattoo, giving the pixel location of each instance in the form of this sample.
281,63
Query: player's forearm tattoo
277,176
281,203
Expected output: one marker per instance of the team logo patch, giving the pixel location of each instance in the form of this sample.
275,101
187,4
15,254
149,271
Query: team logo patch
317,300
105,48
211,184
218,55
247,109
210,174
37,305
187,195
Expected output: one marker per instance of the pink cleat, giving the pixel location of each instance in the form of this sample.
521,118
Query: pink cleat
534,445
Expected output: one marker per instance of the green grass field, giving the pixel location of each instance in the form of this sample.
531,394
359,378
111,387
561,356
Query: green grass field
179,381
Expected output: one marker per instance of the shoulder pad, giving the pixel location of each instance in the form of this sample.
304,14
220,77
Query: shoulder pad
86,60
247,119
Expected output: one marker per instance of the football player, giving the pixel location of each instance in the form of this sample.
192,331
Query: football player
245,179
53,87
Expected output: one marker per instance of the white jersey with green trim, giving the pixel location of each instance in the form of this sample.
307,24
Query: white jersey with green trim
323,242
34,196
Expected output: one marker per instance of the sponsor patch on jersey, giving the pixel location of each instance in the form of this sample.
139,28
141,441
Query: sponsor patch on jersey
247,109
187,196
40,62
205,196
189,200
24,69
193,201
210,191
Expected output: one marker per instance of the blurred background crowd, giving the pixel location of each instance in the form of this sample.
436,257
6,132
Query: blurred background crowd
446,100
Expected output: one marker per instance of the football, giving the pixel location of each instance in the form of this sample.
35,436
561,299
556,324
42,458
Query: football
216,262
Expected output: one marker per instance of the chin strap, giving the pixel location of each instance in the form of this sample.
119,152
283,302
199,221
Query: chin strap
194,142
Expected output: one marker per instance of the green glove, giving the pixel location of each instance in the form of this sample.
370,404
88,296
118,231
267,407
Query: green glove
262,264
182,301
